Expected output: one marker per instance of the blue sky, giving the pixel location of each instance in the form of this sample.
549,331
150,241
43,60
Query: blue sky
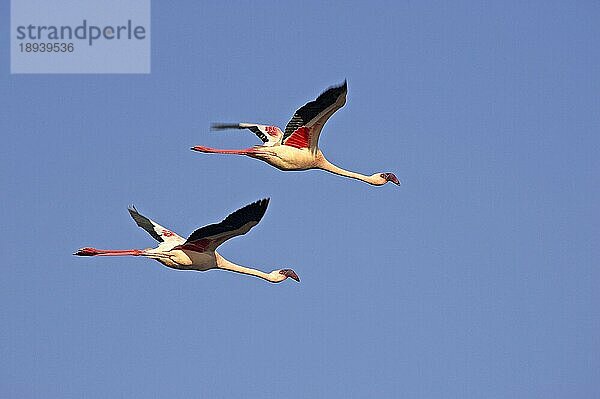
476,278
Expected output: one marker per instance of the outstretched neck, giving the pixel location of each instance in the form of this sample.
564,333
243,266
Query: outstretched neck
223,263
329,167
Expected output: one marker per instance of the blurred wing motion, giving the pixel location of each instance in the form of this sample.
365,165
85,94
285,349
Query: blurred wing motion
303,130
159,233
238,223
270,135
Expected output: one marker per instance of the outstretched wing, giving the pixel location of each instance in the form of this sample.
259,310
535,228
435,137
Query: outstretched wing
158,232
303,130
238,223
270,135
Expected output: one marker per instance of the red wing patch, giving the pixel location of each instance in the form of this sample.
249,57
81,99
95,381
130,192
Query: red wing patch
300,138
196,246
167,233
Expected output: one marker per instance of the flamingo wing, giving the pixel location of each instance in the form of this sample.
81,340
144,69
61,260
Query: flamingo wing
236,224
270,135
303,130
158,232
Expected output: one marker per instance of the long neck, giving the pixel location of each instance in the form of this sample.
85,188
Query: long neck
223,263
328,166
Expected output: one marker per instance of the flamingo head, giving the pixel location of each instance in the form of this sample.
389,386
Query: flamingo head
285,273
381,178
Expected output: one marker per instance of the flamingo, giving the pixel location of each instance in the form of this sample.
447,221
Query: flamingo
297,147
198,252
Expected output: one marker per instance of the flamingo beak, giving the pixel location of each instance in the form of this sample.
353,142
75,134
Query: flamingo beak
392,177
290,273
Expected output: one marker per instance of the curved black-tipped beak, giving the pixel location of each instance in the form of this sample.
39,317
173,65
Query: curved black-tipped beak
290,273
392,178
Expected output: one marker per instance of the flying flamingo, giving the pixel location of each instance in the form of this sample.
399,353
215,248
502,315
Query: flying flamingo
297,147
198,252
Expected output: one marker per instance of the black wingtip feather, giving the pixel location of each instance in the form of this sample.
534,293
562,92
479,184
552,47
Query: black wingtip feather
343,86
311,109
250,213
143,222
338,88
133,211
223,126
